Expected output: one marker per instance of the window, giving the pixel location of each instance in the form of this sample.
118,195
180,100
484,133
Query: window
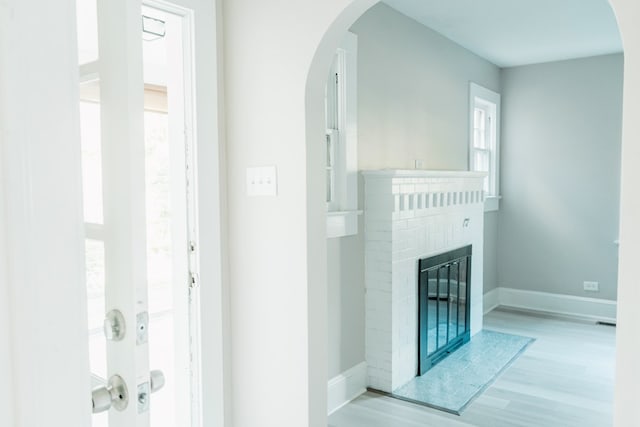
484,140
341,141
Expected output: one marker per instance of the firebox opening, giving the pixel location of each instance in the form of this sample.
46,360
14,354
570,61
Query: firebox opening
444,305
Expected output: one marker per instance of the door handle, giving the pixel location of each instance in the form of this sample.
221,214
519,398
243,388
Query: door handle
115,394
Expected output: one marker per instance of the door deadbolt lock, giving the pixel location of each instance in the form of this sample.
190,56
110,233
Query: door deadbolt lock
114,394
143,397
114,326
155,383
142,328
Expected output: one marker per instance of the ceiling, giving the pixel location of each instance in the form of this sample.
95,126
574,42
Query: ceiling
519,32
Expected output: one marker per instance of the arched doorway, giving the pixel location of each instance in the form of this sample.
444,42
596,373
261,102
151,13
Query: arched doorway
622,273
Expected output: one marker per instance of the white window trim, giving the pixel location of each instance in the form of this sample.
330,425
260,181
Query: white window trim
342,214
480,93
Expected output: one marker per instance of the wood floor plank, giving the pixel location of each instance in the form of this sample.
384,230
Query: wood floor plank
564,379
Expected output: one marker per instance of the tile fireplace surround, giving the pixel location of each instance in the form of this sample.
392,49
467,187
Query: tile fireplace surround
412,214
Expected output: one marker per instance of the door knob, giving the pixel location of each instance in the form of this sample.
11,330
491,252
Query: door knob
113,394
156,380
116,395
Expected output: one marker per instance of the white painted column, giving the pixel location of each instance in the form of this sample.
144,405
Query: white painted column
42,222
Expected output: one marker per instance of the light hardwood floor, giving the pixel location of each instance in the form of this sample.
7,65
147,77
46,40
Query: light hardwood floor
564,379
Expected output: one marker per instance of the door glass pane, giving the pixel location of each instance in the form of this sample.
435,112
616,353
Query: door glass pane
94,248
160,263
158,204
91,161
95,294
87,21
95,270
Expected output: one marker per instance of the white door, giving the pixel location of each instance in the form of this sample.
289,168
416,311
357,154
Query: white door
137,120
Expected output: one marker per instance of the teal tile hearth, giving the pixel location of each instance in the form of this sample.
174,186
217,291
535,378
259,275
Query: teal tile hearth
454,382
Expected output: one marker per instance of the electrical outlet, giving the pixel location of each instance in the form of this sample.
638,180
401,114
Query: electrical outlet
419,164
591,286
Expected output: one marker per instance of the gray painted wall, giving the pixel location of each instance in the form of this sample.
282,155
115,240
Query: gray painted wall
412,104
346,301
561,137
413,91
490,265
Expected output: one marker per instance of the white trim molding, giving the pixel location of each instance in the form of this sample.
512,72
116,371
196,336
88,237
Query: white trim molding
342,223
593,309
346,386
492,203
491,300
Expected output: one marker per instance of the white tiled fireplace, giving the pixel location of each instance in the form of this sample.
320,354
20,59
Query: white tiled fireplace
409,215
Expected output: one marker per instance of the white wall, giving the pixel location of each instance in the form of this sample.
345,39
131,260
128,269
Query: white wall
413,102
490,267
277,245
561,138
42,217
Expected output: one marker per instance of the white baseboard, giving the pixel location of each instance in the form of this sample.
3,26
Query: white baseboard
491,300
346,386
563,305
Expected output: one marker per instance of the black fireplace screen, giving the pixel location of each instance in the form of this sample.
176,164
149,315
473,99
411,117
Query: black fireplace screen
444,285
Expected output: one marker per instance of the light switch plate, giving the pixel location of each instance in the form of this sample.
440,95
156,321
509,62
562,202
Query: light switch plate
262,181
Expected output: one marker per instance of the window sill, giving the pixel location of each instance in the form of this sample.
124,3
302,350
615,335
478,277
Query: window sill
342,223
492,204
